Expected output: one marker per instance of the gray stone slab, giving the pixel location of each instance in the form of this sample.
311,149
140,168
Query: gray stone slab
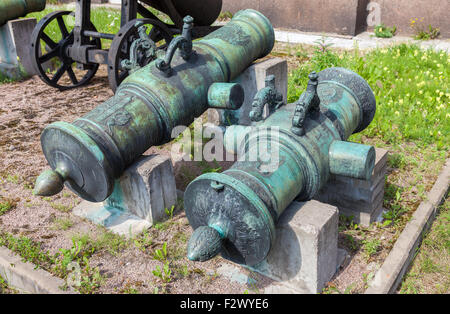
252,80
390,275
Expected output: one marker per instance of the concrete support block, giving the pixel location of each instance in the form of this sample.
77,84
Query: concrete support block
139,199
362,199
305,254
15,57
252,80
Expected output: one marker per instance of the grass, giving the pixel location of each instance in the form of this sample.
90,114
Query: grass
5,79
6,205
5,288
64,264
62,223
382,31
422,31
411,87
412,90
430,270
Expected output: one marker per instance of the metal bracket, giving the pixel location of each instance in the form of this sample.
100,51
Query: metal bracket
308,101
144,45
183,42
267,95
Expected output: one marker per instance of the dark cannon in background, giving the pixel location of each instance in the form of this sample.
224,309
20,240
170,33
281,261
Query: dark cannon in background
80,41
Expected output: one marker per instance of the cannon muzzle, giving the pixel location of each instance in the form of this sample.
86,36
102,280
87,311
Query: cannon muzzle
90,153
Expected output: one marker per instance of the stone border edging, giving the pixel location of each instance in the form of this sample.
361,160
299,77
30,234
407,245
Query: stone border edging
391,273
24,277
363,40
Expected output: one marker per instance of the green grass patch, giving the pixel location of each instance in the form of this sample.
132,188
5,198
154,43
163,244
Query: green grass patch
62,223
411,87
430,271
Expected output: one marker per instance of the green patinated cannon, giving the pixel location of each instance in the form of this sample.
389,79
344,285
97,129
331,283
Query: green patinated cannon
90,153
288,156
13,9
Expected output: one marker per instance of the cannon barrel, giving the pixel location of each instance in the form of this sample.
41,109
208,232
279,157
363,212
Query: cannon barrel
13,9
234,212
94,150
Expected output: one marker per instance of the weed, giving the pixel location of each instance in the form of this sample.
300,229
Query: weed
169,212
423,32
29,250
6,205
161,226
62,223
61,207
161,254
206,167
5,288
226,15
371,247
396,160
352,243
12,179
396,210
383,31
107,241
164,274
143,241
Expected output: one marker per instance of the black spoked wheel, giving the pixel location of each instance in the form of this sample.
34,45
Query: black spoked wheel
120,47
49,42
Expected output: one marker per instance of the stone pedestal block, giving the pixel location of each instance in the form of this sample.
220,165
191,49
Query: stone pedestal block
252,80
139,199
305,254
362,199
15,57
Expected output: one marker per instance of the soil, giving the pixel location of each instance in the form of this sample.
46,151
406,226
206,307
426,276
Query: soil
25,109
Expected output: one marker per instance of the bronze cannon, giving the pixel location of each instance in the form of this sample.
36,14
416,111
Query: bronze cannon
287,156
90,153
